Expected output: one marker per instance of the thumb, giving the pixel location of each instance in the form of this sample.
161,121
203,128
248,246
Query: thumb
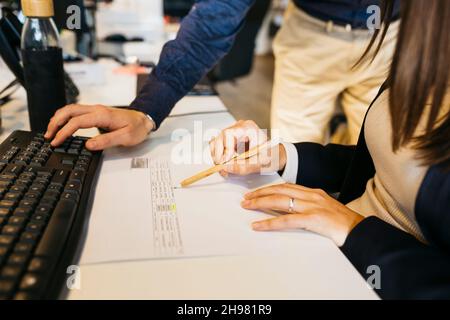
107,140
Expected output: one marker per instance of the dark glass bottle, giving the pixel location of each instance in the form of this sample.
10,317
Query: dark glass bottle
42,62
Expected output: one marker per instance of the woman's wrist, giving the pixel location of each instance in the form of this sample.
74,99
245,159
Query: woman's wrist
352,220
282,157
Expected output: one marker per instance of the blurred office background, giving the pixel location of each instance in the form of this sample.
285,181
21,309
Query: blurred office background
132,31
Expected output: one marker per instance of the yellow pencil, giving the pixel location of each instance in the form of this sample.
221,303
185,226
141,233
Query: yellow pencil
246,155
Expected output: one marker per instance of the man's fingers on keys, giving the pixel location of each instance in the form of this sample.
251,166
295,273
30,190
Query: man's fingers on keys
88,120
63,115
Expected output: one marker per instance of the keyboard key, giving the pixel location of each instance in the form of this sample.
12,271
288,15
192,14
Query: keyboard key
60,149
57,229
77,175
17,221
35,227
54,194
38,188
32,149
23,182
22,161
68,162
81,167
44,171
23,247
18,259
41,181
30,203
13,196
86,158
30,282
23,212
48,201
5,184
6,240
37,162
70,195
27,154
5,211
23,295
55,187
13,169
40,159
3,191
7,177
60,177
83,162
40,217
32,195
35,144
37,265
39,138
6,287
28,175
44,175
5,159
7,203
29,237
73,185
3,252
73,151
44,208
11,272
11,229
18,189
86,152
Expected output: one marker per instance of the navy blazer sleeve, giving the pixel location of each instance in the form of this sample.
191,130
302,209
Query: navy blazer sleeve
323,167
409,268
205,36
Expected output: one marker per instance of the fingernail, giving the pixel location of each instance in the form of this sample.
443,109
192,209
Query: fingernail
46,134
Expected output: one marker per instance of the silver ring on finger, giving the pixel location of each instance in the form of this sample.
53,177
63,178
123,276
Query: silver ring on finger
291,205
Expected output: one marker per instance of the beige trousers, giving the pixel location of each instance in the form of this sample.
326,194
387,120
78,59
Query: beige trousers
314,74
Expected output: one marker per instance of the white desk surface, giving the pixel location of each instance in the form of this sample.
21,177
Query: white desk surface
316,271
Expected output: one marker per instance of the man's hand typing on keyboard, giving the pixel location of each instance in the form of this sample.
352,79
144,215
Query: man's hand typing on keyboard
126,127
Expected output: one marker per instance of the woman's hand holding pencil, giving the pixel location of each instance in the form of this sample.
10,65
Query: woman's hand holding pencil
242,149
242,137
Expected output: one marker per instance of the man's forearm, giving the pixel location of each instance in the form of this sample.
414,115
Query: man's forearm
205,36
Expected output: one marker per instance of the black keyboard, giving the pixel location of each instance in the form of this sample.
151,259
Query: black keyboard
44,199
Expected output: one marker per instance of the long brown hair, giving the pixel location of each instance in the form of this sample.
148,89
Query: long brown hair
419,75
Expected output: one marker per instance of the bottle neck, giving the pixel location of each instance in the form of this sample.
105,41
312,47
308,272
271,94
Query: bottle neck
39,34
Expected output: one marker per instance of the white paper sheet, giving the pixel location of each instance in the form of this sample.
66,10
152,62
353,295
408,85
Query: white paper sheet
211,220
